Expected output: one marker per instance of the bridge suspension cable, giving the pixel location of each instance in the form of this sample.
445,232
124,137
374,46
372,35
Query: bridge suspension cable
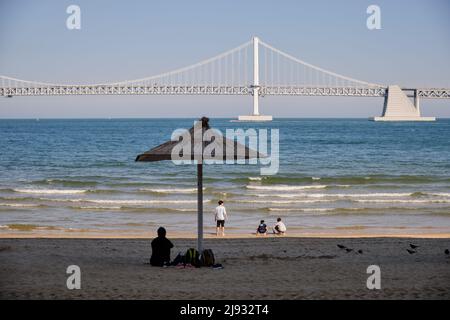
231,73
229,68
282,69
232,68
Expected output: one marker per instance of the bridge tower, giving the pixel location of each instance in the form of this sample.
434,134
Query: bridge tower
398,107
255,88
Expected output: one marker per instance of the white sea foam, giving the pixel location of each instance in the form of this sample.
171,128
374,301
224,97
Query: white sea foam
402,201
285,187
172,190
130,208
335,195
98,208
284,209
295,195
19,205
50,191
439,194
142,201
303,210
318,209
282,201
132,201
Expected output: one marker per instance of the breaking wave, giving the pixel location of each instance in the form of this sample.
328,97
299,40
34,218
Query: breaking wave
51,191
284,187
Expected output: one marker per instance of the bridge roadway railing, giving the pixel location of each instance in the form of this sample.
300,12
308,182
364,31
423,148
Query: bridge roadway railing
189,90
324,91
434,93
61,90
125,90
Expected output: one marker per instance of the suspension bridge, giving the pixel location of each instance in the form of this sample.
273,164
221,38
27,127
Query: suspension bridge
254,68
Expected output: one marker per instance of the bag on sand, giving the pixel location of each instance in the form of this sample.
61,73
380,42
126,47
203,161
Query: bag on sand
207,258
192,257
178,259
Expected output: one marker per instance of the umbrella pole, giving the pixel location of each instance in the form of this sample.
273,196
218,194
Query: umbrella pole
200,207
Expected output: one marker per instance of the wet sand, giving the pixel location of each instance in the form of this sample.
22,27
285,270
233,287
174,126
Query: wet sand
231,233
254,268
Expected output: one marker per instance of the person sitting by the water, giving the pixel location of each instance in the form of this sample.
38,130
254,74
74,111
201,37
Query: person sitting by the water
161,249
262,229
279,228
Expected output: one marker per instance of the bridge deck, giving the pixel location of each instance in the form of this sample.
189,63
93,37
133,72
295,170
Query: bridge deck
434,93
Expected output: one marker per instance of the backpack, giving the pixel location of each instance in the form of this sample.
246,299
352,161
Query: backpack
207,258
178,259
192,257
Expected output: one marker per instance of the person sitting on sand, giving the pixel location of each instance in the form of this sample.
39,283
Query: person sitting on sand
262,229
220,217
161,249
279,227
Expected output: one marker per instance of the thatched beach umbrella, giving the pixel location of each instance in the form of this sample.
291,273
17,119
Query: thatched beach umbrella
231,150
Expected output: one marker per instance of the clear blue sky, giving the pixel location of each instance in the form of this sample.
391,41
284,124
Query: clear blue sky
122,40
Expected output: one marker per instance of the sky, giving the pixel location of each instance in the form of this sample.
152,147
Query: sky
123,40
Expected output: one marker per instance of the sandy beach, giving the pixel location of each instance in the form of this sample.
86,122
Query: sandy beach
300,146
254,268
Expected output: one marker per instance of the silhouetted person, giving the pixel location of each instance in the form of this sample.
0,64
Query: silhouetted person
161,249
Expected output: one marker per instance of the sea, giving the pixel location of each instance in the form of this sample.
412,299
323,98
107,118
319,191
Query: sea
345,176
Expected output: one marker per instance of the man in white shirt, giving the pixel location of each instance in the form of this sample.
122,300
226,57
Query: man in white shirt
220,217
279,227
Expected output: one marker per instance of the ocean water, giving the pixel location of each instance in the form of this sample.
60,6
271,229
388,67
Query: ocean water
336,175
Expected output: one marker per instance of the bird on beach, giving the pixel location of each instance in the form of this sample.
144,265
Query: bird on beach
410,251
413,246
340,246
447,252
348,250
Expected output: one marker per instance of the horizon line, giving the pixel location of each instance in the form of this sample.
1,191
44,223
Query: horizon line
190,117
